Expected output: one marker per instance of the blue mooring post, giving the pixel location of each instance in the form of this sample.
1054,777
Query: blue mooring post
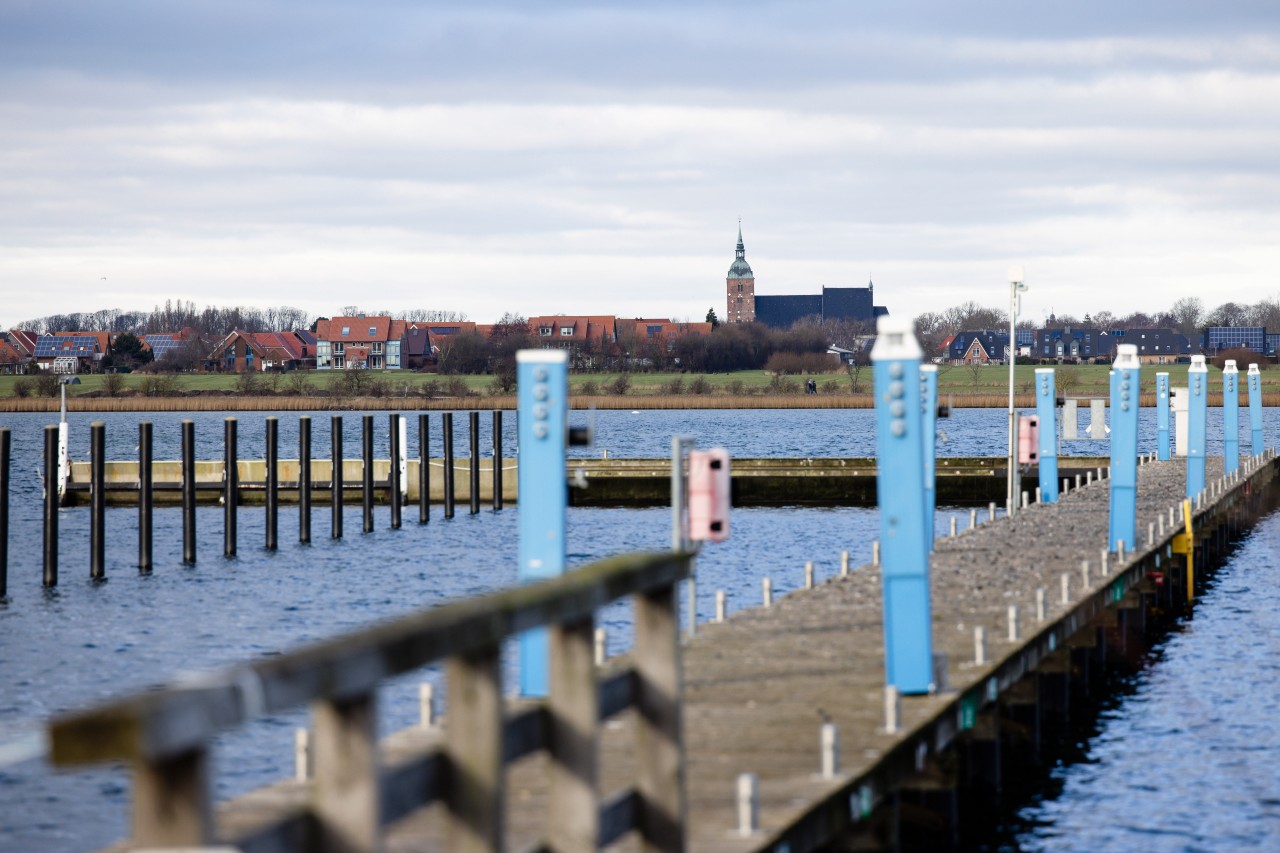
1125,395
1197,415
1162,417
929,432
1046,411
1230,417
1255,410
542,383
904,554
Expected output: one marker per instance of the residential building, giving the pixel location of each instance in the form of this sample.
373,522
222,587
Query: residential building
17,350
587,337
1155,346
1219,338
1072,345
72,352
979,346
359,343
247,352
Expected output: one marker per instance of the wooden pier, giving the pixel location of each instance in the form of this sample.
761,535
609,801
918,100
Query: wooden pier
646,752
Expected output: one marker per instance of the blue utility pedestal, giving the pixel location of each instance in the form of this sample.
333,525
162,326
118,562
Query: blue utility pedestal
904,546
1046,411
1230,417
929,432
1255,410
542,378
1197,416
1125,391
1162,417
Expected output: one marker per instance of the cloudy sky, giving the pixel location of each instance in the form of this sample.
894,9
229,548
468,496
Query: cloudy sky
595,157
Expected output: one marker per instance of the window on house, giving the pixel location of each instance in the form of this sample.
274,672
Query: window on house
338,348
346,330
566,331
377,347
739,287
544,331
373,330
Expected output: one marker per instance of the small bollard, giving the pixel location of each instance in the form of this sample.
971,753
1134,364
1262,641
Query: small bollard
1013,623
426,706
748,804
1105,560
830,743
973,518
875,552
719,605
335,479
953,525
844,564
980,645
1084,573
1040,604
1066,588
600,647
1101,474
1088,478
808,575
1038,495
892,709
1151,534
145,495
1026,501
97,500
1077,481
1119,558
766,592
188,491
301,755
991,511
1160,524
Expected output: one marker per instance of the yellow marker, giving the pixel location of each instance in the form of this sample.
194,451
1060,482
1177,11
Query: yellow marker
1190,551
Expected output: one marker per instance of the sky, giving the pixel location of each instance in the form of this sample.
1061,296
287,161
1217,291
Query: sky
590,157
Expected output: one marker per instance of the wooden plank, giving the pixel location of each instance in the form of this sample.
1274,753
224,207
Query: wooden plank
474,747
347,801
658,729
171,801
573,715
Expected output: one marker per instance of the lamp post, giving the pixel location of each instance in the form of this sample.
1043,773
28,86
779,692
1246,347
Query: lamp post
64,449
1016,286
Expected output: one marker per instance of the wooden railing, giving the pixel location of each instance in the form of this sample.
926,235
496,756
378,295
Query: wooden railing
165,734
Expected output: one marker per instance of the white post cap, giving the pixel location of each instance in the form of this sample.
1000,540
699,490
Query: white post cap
928,368
1197,364
542,356
1253,369
1230,366
1044,370
1126,356
895,338
1016,273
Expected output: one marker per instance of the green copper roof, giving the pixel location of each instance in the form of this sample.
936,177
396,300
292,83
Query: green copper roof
740,267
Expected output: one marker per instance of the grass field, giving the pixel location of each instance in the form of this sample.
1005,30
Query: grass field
960,382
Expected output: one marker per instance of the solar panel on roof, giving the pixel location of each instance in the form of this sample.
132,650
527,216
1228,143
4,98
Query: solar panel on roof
162,345
49,346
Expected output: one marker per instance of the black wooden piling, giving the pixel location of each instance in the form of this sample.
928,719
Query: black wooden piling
304,480
230,486
188,491
51,506
272,482
497,460
393,478
97,500
335,479
4,513
473,483
145,496
447,431
424,469
367,470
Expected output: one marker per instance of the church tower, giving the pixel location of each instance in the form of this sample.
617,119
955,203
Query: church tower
740,287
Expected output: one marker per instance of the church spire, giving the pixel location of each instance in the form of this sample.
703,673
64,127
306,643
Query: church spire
742,249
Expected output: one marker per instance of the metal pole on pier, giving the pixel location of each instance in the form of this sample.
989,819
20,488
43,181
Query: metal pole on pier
1230,417
895,360
335,478
447,430
542,388
50,506
497,460
1197,415
1255,410
304,480
230,485
4,512
367,470
1016,286
929,433
1125,385
145,496
393,477
97,500
424,469
1047,412
273,482
1162,417
188,491
473,482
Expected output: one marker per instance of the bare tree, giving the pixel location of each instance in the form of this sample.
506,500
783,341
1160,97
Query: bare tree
1228,314
1188,313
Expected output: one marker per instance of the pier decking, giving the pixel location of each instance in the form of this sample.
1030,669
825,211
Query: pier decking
757,687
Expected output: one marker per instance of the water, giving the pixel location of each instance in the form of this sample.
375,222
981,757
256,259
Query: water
82,642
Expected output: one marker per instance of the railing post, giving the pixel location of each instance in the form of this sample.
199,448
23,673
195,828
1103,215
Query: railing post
1230,417
904,544
171,802
304,480
474,745
929,434
97,500
1047,411
145,495
574,813
424,469
1255,410
393,477
542,389
230,486
50,506
271,467
366,469
497,459
1162,417
1197,413
659,749
188,491
4,512
1125,385
335,478
346,775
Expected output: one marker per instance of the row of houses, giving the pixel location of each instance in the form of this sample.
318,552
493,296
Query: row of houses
337,343
1089,345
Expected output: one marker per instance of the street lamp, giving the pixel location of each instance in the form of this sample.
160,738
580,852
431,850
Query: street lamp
1016,286
63,382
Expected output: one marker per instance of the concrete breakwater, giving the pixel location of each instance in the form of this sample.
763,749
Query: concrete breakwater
759,685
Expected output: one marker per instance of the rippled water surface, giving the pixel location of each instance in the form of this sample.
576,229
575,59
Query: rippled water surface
77,644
